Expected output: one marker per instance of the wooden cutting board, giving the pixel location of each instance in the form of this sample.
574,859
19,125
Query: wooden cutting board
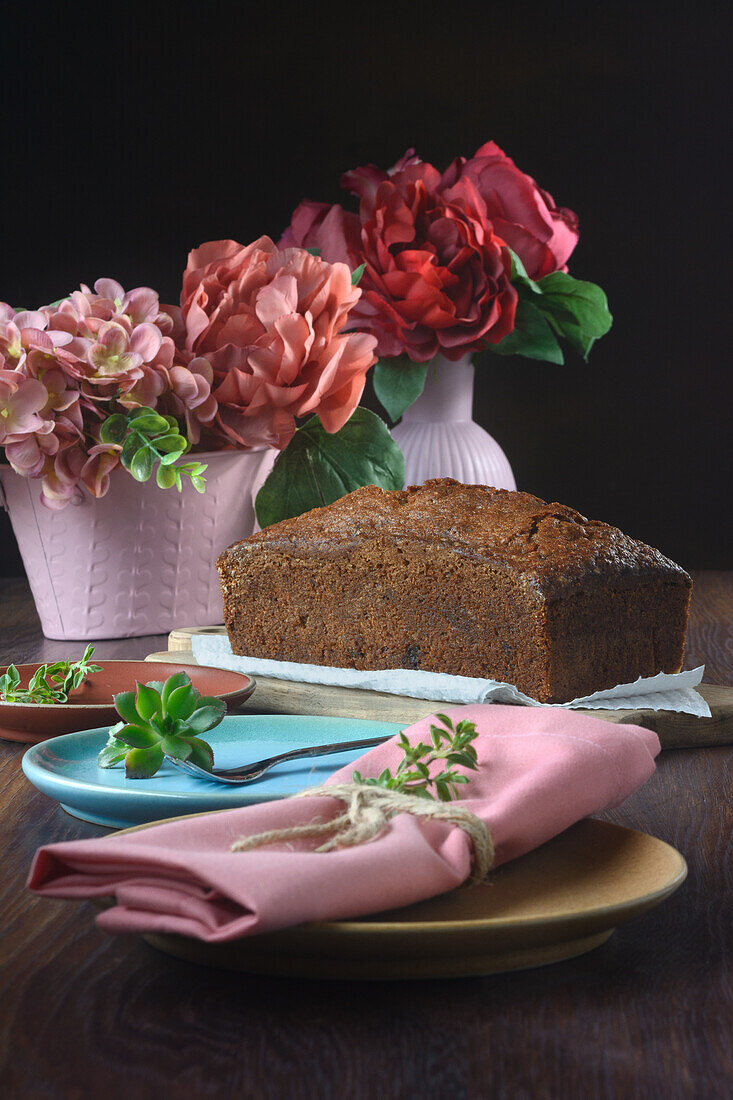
675,731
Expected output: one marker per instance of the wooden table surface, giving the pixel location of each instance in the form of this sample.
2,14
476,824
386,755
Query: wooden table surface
87,1016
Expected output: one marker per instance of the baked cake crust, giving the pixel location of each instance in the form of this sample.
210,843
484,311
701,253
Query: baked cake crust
458,578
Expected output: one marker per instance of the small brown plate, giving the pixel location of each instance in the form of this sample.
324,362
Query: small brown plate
93,705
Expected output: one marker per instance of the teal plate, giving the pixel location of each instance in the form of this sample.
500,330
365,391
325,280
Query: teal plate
65,768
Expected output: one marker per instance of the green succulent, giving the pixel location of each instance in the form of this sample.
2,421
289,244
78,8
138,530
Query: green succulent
161,719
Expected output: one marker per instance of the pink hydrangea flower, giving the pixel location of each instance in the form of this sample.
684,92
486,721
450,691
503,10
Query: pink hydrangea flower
21,401
65,368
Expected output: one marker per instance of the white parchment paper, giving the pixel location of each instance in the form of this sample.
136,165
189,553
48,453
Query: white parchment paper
660,692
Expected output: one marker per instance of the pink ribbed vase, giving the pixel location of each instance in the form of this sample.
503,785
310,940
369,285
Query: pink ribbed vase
439,437
141,560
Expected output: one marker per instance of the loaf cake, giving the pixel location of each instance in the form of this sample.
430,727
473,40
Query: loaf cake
462,579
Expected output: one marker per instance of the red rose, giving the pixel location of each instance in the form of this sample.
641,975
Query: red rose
437,265
436,276
525,216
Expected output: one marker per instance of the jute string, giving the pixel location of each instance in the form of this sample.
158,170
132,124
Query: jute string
368,812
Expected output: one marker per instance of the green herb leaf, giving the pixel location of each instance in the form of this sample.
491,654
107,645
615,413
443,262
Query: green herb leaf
317,468
357,273
413,774
398,382
49,683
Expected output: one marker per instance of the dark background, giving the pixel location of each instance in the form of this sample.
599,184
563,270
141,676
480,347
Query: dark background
130,138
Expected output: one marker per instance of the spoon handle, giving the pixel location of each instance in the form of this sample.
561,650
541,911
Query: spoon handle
309,750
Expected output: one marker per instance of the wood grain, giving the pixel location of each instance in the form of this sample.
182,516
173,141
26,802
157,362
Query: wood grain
647,1015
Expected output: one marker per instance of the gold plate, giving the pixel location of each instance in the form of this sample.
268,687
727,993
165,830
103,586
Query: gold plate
559,901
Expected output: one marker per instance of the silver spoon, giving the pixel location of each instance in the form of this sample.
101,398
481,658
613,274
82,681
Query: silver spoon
248,772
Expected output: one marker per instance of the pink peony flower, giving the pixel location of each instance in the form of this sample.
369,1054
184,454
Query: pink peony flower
271,324
435,248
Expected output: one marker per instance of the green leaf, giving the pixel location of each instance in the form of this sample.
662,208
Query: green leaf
165,477
151,424
141,466
138,737
125,706
314,251
398,382
130,448
531,337
209,701
177,680
519,275
142,763
205,718
140,413
201,753
577,310
147,702
114,751
114,429
357,273
317,468
171,457
172,441
181,702
176,747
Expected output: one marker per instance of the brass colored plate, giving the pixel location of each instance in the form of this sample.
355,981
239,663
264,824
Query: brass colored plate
561,900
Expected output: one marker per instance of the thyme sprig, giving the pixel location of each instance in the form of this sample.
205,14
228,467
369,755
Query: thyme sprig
50,683
412,776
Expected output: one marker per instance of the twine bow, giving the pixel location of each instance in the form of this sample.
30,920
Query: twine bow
368,812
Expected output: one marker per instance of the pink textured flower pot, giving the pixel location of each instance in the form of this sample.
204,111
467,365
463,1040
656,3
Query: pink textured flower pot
141,560
439,437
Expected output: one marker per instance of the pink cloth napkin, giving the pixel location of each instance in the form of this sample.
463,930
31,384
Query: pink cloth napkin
540,771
